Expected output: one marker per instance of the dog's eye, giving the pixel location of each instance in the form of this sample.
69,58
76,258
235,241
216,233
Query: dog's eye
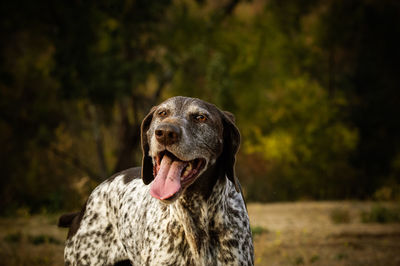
162,113
200,118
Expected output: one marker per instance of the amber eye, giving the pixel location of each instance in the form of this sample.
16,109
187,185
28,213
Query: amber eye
200,118
162,113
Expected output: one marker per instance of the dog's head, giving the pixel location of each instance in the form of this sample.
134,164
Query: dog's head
181,138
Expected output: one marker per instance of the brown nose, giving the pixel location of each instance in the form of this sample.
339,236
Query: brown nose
167,134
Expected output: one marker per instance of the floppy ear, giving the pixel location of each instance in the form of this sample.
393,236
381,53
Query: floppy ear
231,146
147,163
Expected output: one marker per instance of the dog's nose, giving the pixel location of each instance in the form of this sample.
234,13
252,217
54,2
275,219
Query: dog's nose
167,134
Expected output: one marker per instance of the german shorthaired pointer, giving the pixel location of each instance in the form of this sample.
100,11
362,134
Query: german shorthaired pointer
193,212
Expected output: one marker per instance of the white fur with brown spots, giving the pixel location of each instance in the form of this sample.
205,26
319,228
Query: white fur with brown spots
192,213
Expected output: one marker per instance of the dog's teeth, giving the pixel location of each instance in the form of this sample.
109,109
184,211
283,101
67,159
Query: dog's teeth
186,173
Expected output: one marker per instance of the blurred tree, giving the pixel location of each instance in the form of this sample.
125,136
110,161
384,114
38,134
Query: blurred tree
291,126
64,66
358,40
82,75
313,85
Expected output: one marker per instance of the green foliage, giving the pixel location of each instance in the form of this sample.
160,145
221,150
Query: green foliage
54,70
340,216
314,258
299,260
13,237
285,116
43,239
314,105
341,256
380,214
388,193
36,240
258,230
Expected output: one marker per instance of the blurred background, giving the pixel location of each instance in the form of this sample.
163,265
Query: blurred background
314,86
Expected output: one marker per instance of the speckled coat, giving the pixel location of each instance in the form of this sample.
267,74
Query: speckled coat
190,231
205,222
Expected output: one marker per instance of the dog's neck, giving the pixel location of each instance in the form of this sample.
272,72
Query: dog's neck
199,210
204,185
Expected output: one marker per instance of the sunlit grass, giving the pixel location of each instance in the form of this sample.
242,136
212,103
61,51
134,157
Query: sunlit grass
31,240
381,214
300,233
340,216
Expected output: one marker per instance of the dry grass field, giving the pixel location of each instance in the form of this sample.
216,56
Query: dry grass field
305,233
302,233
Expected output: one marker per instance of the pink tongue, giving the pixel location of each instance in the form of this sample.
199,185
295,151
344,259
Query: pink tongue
168,180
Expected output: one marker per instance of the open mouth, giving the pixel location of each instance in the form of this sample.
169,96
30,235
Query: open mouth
172,175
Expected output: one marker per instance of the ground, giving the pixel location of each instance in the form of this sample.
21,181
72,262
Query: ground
301,233
304,234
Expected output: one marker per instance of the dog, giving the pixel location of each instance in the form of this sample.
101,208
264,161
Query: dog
183,206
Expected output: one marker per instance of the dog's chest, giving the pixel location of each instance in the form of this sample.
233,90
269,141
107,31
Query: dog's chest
176,235
160,243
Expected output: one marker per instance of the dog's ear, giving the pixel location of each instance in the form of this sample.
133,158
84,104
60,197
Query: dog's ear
231,146
147,163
